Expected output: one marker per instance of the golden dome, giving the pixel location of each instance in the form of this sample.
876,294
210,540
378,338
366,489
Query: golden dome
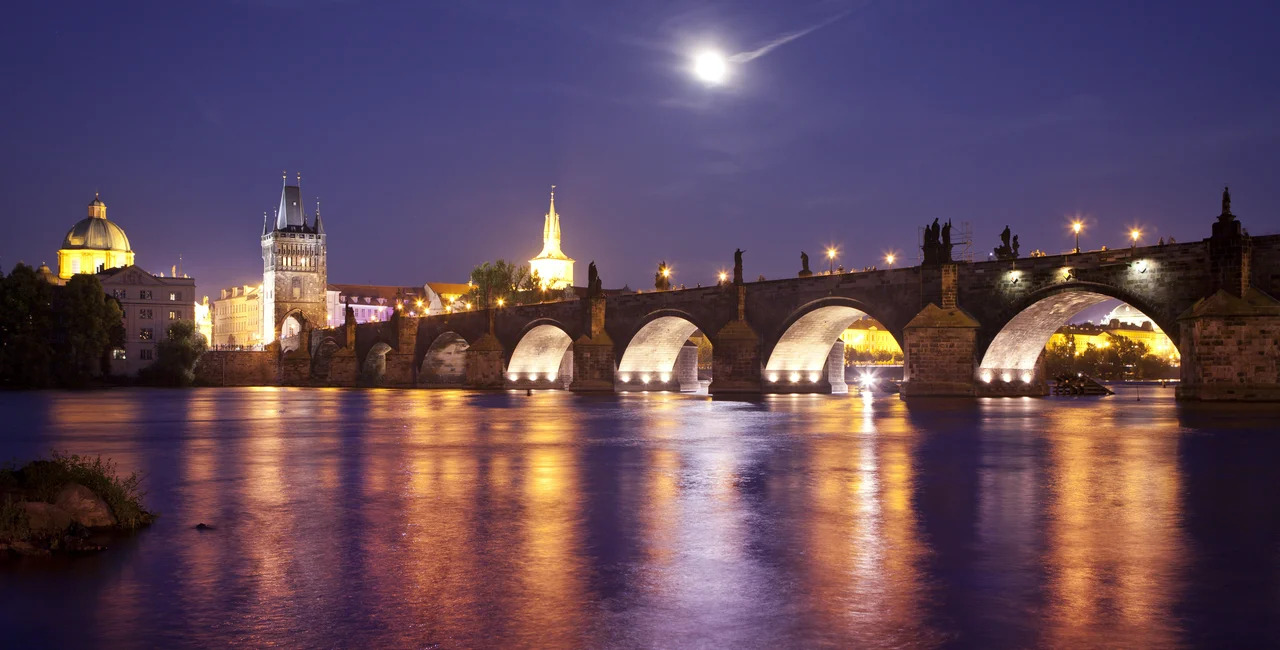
95,232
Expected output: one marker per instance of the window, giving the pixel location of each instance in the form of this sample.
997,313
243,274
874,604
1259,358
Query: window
144,295
146,354
175,295
118,294
75,265
146,334
297,288
145,314
118,354
173,315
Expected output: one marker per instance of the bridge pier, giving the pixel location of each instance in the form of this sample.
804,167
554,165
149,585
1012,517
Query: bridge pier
593,356
735,363
484,363
939,346
686,368
1231,348
295,364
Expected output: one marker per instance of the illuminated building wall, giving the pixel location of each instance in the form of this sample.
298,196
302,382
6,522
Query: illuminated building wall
294,269
1157,342
868,336
237,317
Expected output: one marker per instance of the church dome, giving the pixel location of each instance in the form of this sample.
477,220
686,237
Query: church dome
95,232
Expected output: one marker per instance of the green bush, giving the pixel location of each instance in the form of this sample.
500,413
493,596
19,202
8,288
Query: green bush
41,480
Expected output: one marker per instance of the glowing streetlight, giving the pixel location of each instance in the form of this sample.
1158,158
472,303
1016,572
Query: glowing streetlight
724,277
1076,227
467,305
889,258
831,259
666,272
501,301
1134,236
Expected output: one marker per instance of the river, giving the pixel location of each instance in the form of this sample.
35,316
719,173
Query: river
423,518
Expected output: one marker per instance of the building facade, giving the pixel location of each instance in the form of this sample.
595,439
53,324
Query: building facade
553,268
370,302
150,304
237,317
294,268
94,244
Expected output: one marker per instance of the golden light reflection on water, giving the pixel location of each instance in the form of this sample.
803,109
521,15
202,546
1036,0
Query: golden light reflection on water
468,519
1114,552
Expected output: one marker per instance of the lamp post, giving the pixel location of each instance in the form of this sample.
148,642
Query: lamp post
831,260
1134,236
889,258
723,276
1076,227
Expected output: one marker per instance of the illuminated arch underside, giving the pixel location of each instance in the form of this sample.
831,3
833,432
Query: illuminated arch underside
805,346
1022,339
540,351
375,363
445,360
656,346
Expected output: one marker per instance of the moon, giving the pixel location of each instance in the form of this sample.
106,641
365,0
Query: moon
710,67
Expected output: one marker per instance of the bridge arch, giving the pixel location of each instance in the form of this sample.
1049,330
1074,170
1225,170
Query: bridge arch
291,328
322,358
444,363
659,350
375,364
1011,348
807,344
540,354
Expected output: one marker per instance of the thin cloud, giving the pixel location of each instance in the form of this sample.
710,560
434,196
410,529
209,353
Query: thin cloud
743,57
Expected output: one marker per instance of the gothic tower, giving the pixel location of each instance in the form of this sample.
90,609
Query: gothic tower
294,268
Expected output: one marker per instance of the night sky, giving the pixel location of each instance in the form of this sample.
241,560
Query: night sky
432,131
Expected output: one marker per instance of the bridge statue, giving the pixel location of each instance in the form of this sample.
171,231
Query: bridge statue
804,265
937,243
1007,250
1226,201
593,281
737,267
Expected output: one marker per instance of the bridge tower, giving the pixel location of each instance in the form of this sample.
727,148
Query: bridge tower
294,268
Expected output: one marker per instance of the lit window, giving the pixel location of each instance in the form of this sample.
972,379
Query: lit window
173,315
174,295
146,334
118,354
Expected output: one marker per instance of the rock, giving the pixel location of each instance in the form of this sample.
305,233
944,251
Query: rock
85,507
203,526
45,518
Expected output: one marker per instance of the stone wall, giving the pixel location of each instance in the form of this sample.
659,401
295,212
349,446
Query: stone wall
237,368
1231,349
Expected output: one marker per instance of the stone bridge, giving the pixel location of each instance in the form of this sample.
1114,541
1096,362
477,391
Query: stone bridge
965,328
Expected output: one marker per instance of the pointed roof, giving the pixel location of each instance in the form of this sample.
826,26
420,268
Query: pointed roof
551,233
290,211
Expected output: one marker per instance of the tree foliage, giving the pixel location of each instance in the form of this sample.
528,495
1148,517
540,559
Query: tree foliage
54,335
176,356
506,280
1121,358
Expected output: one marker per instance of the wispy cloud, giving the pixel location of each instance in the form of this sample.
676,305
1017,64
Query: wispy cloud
743,57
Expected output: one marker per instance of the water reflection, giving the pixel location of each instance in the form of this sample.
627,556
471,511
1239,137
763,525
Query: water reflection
407,518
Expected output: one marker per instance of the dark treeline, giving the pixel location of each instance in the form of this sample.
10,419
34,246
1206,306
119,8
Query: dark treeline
55,336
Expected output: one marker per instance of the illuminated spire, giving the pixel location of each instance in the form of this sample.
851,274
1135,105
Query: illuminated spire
551,230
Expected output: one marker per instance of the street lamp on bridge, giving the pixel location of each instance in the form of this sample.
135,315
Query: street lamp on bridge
1076,227
831,259
889,258
1134,236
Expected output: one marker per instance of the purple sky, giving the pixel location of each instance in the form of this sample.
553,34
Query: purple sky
432,131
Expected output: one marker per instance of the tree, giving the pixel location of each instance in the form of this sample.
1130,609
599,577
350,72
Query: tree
87,325
176,356
501,279
1060,358
26,329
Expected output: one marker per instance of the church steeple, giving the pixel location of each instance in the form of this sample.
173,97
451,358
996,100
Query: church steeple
551,230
